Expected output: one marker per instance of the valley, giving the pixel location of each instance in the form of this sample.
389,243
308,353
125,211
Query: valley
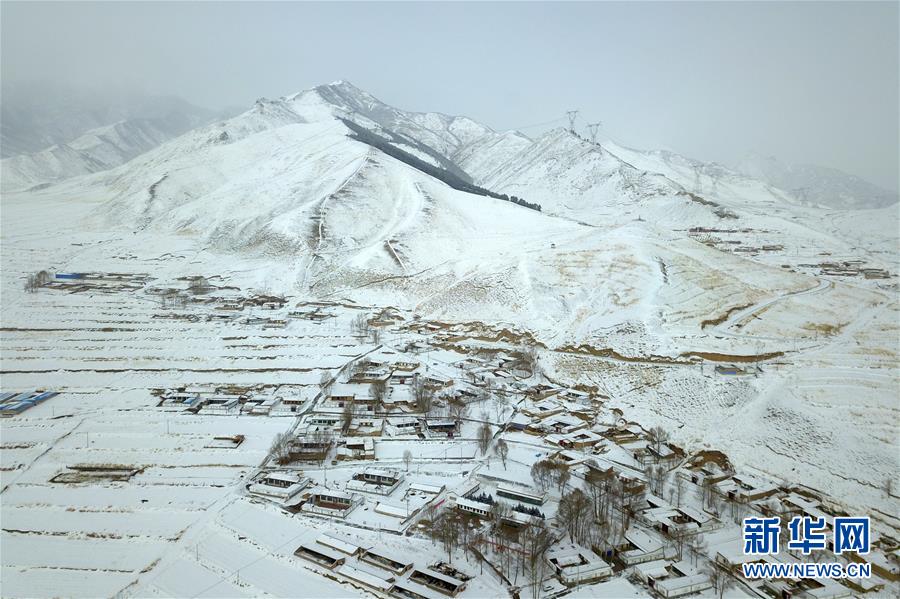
274,278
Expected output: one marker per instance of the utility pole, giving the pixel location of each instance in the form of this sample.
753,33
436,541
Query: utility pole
572,114
593,128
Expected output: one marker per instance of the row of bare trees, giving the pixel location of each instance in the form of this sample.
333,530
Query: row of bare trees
361,327
514,552
548,473
36,280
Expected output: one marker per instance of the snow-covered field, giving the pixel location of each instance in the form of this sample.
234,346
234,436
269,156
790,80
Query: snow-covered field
608,282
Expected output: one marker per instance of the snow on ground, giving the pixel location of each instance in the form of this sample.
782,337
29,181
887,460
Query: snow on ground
617,296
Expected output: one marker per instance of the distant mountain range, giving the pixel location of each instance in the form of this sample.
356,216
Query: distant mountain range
51,133
819,185
330,194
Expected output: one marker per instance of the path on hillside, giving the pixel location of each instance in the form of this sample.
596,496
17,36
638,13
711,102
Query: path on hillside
733,320
321,217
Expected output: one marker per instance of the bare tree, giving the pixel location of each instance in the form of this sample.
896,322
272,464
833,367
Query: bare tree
502,451
280,449
698,546
324,438
707,491
376,335
656,477
458,411
36,280
574,516
347,417
598,482
679,490
678,536
738,511
538,539
423,395
541,474
562,476
445,527
378,390
500,403
484,437
361,326
407,458
716,503
657,436
547,473
529,359
720,579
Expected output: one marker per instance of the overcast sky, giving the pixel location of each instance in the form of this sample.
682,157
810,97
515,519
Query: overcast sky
806,82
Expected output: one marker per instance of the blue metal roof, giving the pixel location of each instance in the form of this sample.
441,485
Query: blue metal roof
44,396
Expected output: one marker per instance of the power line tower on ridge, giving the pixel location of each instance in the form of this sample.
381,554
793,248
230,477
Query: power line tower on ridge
593,128
572,114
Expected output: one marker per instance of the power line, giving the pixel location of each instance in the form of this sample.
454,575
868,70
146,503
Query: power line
593,128
572,114
545,123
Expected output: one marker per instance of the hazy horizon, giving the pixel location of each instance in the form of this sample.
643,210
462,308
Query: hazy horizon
805,82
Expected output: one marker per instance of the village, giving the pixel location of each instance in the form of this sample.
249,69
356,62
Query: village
455,435
751,242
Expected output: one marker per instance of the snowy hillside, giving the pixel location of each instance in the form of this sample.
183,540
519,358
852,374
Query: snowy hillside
817,185
445,134
97,150
37,116
640,267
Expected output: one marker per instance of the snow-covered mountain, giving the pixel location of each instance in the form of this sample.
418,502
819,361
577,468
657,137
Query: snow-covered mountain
51,133
451,136
817,185
97,150
267,180
342,202
37,116
329,193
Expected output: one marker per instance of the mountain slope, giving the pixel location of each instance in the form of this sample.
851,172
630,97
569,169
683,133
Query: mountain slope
51,133
38,116
820,185
94,151
290,198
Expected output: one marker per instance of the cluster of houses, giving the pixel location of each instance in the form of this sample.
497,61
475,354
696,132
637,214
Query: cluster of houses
849,268
574,565
388,492
668,578
648,548
736,246
314,312
642,550
380,571
282,486
378,397
564,419
257,400
102,282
